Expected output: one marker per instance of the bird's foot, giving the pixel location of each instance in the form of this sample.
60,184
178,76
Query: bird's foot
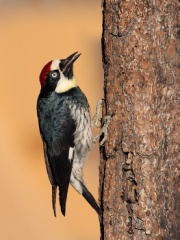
96,119
104,130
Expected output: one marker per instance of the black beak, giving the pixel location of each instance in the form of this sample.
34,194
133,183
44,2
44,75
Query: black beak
66,65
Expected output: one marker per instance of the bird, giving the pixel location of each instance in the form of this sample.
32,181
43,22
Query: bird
65,127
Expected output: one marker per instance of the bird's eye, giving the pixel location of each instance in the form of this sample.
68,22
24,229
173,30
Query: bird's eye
54,75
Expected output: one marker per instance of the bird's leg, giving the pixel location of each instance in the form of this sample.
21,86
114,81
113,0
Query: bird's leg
103,131
104,128
96,118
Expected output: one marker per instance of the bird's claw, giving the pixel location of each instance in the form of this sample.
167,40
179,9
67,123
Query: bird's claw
96,119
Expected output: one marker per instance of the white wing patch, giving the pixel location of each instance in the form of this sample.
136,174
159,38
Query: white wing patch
71,153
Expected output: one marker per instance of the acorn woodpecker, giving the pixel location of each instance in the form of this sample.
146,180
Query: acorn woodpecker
65,127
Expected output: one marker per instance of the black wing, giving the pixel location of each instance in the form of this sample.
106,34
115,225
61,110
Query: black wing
58,141
51,178
60,157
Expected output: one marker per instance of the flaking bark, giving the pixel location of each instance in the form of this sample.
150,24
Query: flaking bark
139,162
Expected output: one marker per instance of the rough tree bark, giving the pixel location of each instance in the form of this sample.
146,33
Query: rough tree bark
139,162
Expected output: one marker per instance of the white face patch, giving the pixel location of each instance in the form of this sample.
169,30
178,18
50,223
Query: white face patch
65,84
55,64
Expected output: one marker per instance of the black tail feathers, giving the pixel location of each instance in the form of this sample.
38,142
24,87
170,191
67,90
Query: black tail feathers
54,191
62,199
63,196
90,199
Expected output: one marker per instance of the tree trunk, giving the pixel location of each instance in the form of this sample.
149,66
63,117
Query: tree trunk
139,162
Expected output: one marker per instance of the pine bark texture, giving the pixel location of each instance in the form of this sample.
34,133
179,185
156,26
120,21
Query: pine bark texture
139,162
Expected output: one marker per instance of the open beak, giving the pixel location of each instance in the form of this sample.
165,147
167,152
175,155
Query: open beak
66,65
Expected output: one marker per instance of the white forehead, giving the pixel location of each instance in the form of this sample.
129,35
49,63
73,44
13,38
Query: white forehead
55,64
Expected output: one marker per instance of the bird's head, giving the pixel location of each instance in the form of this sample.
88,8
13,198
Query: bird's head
57,75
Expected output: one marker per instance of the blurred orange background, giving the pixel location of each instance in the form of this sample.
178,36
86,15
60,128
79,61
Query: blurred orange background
33,33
